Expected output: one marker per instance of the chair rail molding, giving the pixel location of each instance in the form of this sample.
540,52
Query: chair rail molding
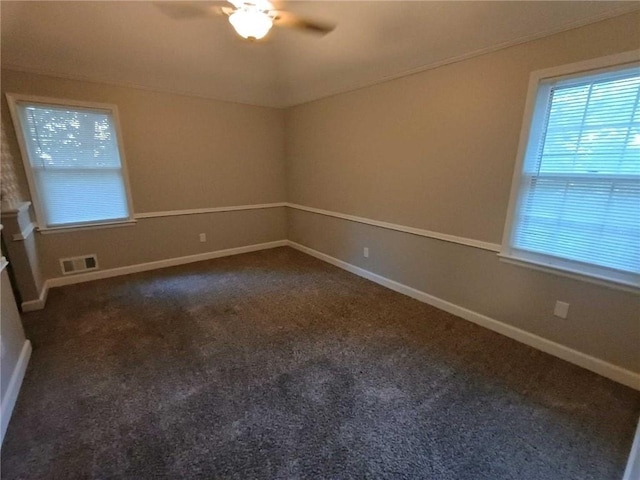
469,242
199,211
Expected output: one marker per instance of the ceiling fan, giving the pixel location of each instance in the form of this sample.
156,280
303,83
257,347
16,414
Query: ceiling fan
251,19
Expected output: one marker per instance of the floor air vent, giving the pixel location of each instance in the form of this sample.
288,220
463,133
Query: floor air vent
79,264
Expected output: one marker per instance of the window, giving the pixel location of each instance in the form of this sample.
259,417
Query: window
74,161
575,203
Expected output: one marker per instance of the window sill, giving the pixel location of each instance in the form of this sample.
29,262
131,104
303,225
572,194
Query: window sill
88,226
564,271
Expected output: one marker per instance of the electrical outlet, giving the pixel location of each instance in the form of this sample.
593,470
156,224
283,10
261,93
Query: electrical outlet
365,252
561,309
203,237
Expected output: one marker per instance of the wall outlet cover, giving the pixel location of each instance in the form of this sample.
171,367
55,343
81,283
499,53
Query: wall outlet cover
561,309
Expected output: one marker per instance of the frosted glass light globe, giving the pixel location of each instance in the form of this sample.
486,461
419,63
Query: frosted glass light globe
251,23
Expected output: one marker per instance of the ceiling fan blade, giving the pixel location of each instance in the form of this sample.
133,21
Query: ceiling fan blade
188,10
291,20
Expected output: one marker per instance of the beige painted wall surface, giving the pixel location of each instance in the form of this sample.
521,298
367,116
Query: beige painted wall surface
155,239
183,152
435,150
12,334
603,322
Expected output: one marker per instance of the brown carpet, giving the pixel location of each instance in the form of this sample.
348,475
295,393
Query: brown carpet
276,365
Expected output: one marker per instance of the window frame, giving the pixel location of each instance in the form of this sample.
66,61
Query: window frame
530,129
13,99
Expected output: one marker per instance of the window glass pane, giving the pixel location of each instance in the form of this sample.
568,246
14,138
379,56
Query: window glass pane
64,138
72,196
590,128
582,202
595,222
75,163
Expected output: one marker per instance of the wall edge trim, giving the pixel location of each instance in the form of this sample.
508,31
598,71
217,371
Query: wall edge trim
38,303
13,390
15,210
24,234
588,362
469,242
197,211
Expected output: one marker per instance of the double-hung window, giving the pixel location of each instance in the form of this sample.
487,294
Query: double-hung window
575,202
73,157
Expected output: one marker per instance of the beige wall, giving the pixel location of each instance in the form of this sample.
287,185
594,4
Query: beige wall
182,153
15,352
12,334
155,239
603,322
436,151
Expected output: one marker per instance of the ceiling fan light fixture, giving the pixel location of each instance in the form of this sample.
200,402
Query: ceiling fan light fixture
251,23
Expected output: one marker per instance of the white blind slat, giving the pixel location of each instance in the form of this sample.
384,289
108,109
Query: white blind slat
580,195
75,162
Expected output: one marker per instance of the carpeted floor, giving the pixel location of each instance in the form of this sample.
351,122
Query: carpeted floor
276,365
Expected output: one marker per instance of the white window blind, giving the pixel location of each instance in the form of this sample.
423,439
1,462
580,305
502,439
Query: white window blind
75,163
580,186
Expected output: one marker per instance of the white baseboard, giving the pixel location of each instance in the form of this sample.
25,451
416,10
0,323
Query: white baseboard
39,303
11,395
169,262
613,372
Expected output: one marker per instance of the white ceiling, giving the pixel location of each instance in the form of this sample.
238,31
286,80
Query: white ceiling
134,43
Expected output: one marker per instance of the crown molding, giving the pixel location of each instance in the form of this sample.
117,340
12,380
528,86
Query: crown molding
83,78
623,10
477,53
